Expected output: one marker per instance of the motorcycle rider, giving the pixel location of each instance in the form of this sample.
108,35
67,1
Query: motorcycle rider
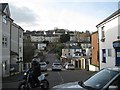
36,71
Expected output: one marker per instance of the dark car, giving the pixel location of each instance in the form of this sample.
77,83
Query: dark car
105,79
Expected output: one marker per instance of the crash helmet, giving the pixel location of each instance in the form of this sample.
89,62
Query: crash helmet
35,62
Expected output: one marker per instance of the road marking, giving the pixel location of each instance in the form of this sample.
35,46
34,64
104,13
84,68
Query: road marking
50,69
60,77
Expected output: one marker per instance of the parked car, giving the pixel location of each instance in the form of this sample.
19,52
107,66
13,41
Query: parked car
105,79
43,66
65,64
69,66
56,66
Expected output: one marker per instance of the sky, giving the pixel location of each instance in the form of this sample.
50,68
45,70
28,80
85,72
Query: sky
74,15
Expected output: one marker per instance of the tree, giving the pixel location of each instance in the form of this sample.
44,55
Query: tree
28,50
41,56
64,38
79,44
58,50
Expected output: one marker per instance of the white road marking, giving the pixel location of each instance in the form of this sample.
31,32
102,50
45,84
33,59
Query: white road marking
50,69
60,77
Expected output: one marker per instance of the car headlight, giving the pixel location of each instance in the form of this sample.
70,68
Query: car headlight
25,73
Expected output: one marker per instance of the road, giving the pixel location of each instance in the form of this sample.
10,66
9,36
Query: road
57,77
65,76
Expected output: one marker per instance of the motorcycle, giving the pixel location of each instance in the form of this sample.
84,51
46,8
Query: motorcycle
27,82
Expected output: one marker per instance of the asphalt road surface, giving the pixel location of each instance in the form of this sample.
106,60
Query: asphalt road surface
57,77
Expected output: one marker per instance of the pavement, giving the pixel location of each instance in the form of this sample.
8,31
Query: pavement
14,78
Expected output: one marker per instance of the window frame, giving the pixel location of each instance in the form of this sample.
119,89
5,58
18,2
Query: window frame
4,41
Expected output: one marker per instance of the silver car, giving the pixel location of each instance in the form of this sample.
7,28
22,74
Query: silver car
56,66
43,66
105,79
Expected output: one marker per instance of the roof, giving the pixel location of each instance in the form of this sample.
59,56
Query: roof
3,6
114,14
72,47
68,42
95,32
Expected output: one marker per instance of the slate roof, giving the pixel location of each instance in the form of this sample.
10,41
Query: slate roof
72,47
2,6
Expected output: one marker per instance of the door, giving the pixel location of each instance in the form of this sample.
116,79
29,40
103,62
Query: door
103,55
117,57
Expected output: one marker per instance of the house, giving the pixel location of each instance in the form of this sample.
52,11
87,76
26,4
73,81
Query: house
94,62
42,46
37,38
20,46
16,47
82,36
71,43
72,35
10,42
5,24
94,44
108,32
52,38
71,54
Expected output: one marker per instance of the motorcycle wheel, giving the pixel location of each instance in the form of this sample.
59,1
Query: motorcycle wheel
45,84
23,86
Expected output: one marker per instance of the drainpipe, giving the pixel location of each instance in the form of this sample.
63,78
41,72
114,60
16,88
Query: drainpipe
11,21
10,47
98,50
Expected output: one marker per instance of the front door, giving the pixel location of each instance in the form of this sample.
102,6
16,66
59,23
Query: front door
117,57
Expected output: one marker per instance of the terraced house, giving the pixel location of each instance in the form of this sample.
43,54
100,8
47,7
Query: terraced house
109,41
11,42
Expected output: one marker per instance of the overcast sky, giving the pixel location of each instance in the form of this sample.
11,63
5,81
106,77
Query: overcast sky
79,15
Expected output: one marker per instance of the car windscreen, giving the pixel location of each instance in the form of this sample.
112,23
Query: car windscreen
42,64
57,64
70,65
100,79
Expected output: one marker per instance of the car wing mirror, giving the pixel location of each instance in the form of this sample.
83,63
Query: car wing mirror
80,82
47,62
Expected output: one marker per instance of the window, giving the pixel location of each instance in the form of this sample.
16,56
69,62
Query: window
4,41
100,79
116,83
20,35
4,19
109,52
77,54
5,65
102,34
69,54
20,49
74,50
68,50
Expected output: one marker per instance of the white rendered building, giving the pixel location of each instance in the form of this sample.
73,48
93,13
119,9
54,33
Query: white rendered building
108,31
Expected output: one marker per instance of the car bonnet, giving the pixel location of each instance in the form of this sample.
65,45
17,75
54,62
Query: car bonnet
72,86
